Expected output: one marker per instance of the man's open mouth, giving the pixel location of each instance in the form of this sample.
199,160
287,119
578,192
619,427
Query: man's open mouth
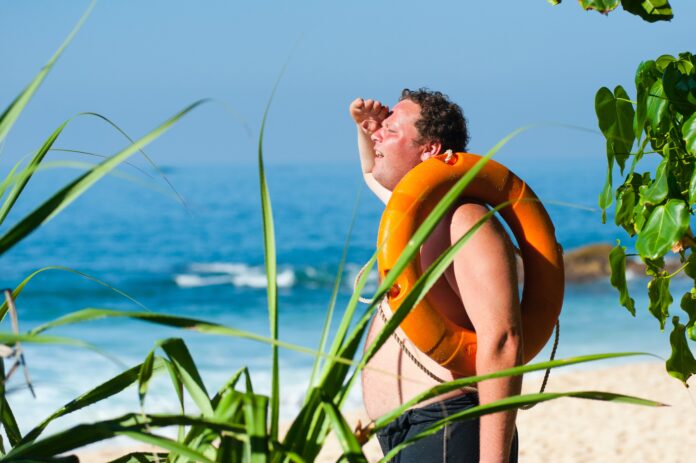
378,154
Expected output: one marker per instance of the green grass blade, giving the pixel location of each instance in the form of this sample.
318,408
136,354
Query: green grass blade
144,377
105,390
181,359
167,444
72,191
10,178
27,173
149,160
141,457
334,295
11,114
18,290
271,268
200,326
85,434
352,450
515,371
256,415
7,418
514,403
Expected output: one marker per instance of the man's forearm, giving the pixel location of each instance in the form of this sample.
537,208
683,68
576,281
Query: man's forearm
497,430
366,150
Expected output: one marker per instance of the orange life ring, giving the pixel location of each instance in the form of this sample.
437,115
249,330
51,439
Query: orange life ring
449,344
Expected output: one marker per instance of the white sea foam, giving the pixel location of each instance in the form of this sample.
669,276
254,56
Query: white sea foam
236,274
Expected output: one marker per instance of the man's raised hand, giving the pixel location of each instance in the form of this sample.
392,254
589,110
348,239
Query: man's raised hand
368,114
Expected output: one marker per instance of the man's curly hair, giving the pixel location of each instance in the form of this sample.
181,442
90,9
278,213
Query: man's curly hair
441,120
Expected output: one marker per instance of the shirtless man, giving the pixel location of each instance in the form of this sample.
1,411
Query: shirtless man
478,291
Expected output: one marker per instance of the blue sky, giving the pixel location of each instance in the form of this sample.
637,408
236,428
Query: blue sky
508,64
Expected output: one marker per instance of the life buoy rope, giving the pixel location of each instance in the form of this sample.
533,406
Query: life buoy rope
451,345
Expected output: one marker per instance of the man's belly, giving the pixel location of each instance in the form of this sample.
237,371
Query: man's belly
392,378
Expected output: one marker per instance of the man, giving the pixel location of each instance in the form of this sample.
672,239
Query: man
478,291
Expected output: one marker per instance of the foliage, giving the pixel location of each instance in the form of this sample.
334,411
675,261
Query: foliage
655,206
649,10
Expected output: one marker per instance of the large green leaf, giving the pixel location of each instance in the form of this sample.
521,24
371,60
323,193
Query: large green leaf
12,112
615,117
681,364
656,192
659,299
667,223
602,6
649,10
617,261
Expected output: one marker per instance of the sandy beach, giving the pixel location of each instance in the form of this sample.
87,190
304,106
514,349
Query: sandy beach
575,430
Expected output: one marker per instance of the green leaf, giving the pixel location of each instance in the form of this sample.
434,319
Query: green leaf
105,390
144,376
601,6
256,416
640,216
352,450
625,203
690,268
11,114
666,224
679,84
646,75
615,117
660,299
649,10
656,192
681,364
180,357
72,191
28,172
511,403
605,197
617,262
654,267
688,305
689,134
657,110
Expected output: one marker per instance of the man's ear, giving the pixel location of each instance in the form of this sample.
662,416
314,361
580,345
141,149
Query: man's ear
430,149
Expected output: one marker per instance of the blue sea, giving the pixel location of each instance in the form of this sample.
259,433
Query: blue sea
204,259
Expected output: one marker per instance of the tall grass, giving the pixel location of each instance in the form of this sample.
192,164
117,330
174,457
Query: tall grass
235,423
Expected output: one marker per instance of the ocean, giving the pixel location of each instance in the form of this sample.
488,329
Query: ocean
205,260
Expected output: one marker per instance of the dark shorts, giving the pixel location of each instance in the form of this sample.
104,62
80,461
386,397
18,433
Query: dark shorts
458,441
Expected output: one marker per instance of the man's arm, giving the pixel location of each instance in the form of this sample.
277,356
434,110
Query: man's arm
368,116
486,278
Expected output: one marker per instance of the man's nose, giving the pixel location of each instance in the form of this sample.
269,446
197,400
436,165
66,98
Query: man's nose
376,135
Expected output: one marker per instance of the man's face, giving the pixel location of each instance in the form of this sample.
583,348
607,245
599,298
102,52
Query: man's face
396,144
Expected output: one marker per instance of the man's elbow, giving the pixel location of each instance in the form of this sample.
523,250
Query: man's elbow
504,347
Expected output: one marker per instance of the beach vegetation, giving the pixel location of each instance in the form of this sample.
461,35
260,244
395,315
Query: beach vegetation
656,198
651,10
235,423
